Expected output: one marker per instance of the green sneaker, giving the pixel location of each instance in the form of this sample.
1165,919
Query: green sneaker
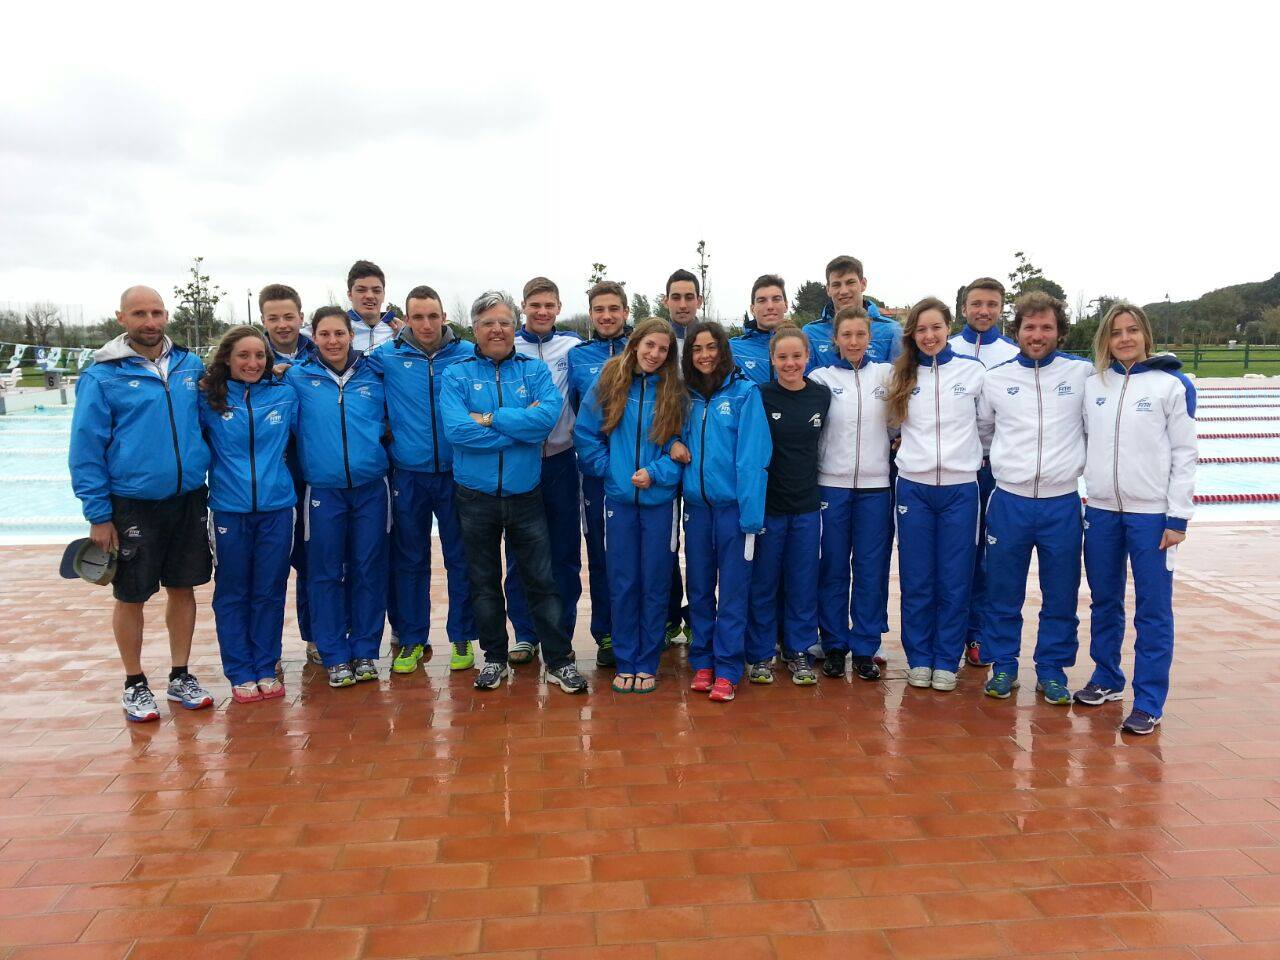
407,659
605,657
761,672
1001,686
1054,692
463,656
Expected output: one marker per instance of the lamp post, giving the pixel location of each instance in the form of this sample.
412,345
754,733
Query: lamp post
1168,309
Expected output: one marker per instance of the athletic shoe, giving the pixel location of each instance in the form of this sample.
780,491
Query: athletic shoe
973,654
246,692
1095,695
521,652
567,678
921,677
761,672
833,663
604,653
313,655
187,691
677,636
491,676
139,704
943,680
722,691
462,657
802,674
270,688
880,661
1140,722
866,668
1001,686
702,680
364,669
340,675
407,659
1054,692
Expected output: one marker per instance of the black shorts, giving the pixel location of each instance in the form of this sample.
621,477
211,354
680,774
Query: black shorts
162,542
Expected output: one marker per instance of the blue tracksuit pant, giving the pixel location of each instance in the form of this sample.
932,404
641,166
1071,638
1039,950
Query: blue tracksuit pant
348,529
1108,538
715,554
853,573
978,589
1053,526
560,498
298,560
415,498
786,555
597,575
251,553
937,533
677,613
642,544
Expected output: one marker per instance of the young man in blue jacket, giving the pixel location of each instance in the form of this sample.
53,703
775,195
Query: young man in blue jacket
846,284
768,310
499,408
367,291
138,464
412,367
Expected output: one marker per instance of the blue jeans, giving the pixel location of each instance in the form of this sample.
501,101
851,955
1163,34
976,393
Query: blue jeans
519,518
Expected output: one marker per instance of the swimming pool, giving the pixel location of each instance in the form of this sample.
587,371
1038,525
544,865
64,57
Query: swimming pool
37,505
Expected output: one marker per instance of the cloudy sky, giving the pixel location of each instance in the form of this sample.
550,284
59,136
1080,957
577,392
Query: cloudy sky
1129,148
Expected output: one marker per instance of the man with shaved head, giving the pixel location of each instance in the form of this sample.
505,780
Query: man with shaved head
138,464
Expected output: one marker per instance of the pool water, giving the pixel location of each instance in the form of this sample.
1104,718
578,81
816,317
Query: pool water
37,505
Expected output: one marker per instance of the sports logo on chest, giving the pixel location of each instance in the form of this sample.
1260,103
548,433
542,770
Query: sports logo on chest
364,391
1143,405
837,391
880,393
274,417
749,364
1064,389
959,390
1099,400
228,415
816,421
1012,391
562,363
775,415
725,408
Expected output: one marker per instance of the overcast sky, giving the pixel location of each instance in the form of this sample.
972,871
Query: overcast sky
1129,148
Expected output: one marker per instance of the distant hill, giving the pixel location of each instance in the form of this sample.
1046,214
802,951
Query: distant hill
1252,308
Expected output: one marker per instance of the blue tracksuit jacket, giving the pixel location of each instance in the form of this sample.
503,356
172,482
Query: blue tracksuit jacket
248,440
728,437
342,418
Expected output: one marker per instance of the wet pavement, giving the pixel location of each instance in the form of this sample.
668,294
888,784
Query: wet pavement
417,817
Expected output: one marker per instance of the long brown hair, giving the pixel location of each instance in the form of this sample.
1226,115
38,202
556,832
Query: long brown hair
707,383
1102,338
615,383
908,362
214,381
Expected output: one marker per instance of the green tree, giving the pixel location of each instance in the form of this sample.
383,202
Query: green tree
811,297
640,309
195,320
1027,277
662,310
598,272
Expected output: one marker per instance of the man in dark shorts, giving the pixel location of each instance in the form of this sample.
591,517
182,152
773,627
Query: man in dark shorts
138,464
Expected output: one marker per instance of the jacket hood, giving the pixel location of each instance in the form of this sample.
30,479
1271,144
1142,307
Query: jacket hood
1161,361
623,334
121,348
407,337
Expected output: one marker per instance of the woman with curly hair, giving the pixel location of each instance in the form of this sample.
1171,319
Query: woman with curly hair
626,431
247,416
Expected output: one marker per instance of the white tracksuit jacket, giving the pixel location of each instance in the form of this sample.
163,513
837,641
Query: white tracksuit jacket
853,450
940,444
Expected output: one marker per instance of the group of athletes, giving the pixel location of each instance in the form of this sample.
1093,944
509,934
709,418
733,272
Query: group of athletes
786,460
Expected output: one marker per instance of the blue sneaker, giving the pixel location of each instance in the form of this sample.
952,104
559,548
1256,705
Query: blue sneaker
1054,692
1001,685
1095,694
1140,722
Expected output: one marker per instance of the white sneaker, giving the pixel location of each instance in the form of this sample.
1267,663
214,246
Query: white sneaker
943,680
140,704
923,677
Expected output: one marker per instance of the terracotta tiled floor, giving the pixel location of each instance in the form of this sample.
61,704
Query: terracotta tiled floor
418,818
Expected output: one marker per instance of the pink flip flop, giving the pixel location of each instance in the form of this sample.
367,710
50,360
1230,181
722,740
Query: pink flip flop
246,693
270,689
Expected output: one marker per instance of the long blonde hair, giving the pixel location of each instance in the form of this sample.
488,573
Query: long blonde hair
1102,339
907,365
616,377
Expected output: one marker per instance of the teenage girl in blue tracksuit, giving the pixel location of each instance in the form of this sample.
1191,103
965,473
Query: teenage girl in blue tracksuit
857,502
347,502
784,575
933,394
724,499
1139,475
247,417
625,430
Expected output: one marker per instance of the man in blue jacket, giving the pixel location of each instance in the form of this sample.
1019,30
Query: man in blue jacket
768,310
138,464
846,284
412,367
499,407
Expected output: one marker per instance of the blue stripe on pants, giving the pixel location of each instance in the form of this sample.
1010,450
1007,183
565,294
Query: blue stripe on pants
561,500
786,555
1052,526
250,583
1108,538
640,557
937,530
597,574
714,548
347,528
416,497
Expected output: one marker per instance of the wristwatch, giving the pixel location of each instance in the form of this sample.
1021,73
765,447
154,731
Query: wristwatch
487,419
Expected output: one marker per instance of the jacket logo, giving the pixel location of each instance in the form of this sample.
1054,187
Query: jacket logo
1012,391
133,533
959,390
608,513
915,392
363,391
133,383
880,392
479,386
822,504
191,383
816,421
521,391
776,416
1143,405
1099,400
562,363
750,364
315,503
685,517
222,529
593,369
837,391
824,347
902,509
991,540
1063,390
316,383
274,417
228,415
725,408
408,364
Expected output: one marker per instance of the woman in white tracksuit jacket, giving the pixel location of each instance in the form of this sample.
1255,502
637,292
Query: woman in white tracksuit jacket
1139,478
933,395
